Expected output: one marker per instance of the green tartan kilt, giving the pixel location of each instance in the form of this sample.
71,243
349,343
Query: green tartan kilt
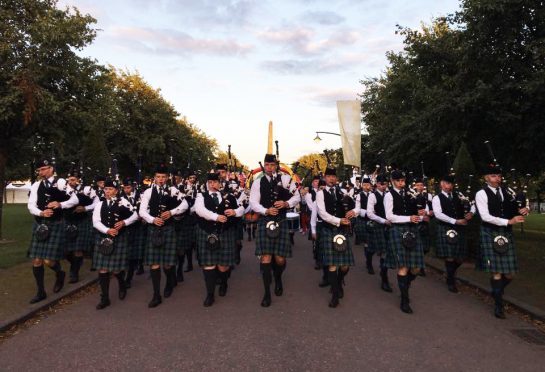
224,256
85,238
117,261
330,256
53,247
166,255
425,236
280,246
397,255
137,240
378,238
360,230
446,250
240,229
186,236
490,261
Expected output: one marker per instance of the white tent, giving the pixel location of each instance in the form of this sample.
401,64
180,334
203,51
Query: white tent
17,192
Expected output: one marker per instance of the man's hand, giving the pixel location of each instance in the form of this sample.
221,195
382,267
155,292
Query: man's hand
112,232
415,219
430,213
421,212
388,223
54,205
47,213
515,220
468,216
271,212
350,214
462,222
119,224
313,236
166,215
426,219
281,204
345,221
158,221
230,212
524,211
80,209
221,218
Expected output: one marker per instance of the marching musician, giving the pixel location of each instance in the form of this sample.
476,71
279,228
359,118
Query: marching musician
216,235
271,196
159,204
424,201
46,202
111,218
360,228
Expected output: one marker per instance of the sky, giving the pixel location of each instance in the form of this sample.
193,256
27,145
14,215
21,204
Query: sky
232,66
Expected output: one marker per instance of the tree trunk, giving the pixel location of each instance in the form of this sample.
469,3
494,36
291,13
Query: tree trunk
3,163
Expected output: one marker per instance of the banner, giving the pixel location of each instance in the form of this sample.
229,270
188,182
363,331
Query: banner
350,126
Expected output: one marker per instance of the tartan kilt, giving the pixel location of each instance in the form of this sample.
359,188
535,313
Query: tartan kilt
240,229
446,250
53,247
425,236
360,230
330,256
378,238
85,238
224,256
117,261
137,240
490,261
280,246
397,255
185,236
166,255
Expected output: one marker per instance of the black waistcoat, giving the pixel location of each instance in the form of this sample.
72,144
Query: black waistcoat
272,191
503,209
363,200
404,206
228,202
452,208
109,216
379,206
161,203
334,205
51,194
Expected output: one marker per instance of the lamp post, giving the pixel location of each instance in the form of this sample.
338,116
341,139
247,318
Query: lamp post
317,139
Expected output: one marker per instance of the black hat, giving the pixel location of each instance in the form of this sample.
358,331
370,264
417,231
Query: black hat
214,176
100,178
162,169
191,172
448,178
321,182
110,183
492,169
179,172
73,173
44,163
382,178
316,177
419,180
221,166
330,171
366,180
127,181
397,174
270,158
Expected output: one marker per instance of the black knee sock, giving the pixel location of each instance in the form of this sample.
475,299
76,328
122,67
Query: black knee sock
181,261
325,275
38,272
267,277
403,283
382,264
341,275
168,277
120,278
224,276
104,280
156,281
278,270
369,258
210,277
384,274
132,267
56,268
79,263
189,254
333,278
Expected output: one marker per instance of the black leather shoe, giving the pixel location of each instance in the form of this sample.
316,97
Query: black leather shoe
208,301
59,282
122,292
324,283
155,301
103,303
498,312
222,290
334,302
39,297
452,288
385,286
74,278
266,302
278,291
168,291
405,307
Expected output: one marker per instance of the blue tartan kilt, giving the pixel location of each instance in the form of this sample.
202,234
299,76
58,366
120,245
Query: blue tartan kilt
117,261
137,240
378,238
85,238
165,255
280,246
397,255
424,229
53,247
446,250
330,256
240,229
185,236
493,262
360,230
224,256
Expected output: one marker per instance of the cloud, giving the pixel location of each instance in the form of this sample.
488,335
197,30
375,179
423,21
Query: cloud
173,42
325,18
327,97
213,13
301,67
301,40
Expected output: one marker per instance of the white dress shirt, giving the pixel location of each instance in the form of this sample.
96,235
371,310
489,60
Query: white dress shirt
97,221
32,204
481,199
255,194
144,204
209,215
363,212
389,208
322,212
371,202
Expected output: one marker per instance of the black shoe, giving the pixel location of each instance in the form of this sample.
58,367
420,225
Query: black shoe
39,297
385,286
323,283
128,284
208,301
59,282
122,292
222,290
498,312
370,269
74,278
405,307
155,301
278,290
266,302
179,275
334,302
103,303
168,291
452,288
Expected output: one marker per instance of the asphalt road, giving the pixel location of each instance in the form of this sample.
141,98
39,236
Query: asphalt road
298,332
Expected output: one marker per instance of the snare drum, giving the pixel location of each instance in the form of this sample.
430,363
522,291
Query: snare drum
293,221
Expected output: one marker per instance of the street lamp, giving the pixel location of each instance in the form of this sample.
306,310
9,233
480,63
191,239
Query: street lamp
317,139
